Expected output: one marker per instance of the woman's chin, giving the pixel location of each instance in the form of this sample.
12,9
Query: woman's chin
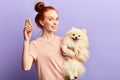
54,30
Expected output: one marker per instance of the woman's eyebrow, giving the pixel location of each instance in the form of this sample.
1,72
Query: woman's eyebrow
53,17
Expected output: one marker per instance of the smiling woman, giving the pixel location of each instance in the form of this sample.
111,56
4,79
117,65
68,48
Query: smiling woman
45,50
50,22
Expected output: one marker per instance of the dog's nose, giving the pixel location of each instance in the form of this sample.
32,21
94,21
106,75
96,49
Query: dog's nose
76,37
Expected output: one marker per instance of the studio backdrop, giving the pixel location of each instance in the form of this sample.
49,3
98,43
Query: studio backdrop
101,19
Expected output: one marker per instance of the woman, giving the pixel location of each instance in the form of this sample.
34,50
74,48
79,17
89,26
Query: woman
44,51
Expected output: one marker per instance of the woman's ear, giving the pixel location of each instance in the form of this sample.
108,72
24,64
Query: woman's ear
41,22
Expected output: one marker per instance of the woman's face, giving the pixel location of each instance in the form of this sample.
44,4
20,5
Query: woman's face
50,22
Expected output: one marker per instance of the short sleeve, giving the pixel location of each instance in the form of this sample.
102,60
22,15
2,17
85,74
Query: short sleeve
32,50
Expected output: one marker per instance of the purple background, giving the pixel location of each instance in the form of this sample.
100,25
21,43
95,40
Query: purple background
100,17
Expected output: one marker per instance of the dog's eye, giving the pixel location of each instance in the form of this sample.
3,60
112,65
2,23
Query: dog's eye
73,34
78,35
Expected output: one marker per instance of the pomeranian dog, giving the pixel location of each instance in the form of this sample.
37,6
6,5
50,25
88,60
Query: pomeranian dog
75,43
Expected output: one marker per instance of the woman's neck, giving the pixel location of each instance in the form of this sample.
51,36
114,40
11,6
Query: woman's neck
48,35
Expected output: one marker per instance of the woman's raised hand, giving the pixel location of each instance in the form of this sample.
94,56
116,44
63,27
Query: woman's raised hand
27,30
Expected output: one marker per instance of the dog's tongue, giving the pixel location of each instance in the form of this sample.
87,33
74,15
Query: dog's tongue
75,41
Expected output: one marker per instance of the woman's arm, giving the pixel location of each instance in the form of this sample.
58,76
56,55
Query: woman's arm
67,52
27,60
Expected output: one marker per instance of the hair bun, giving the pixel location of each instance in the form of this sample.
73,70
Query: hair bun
39,6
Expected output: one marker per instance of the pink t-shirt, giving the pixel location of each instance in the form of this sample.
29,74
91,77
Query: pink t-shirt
47,58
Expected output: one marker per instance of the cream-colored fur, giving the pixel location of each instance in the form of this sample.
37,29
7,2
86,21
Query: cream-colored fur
75,40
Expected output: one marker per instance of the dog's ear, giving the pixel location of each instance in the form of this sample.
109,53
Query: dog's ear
84,31
74,27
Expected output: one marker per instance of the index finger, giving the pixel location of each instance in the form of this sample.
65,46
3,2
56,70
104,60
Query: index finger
26,22
29,22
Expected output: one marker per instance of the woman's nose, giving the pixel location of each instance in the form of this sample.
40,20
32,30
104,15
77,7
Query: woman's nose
54,23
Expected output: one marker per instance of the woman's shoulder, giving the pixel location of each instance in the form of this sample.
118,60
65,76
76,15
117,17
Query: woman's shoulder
59,37
34,41
41,41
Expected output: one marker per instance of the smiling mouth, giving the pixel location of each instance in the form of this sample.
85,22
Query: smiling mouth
75,40
54,27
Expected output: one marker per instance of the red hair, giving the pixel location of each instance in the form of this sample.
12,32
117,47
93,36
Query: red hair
41,9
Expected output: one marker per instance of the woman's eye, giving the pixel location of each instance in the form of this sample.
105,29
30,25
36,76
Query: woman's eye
50,19
57,19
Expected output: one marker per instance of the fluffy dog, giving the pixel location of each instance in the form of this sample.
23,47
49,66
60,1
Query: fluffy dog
74,47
